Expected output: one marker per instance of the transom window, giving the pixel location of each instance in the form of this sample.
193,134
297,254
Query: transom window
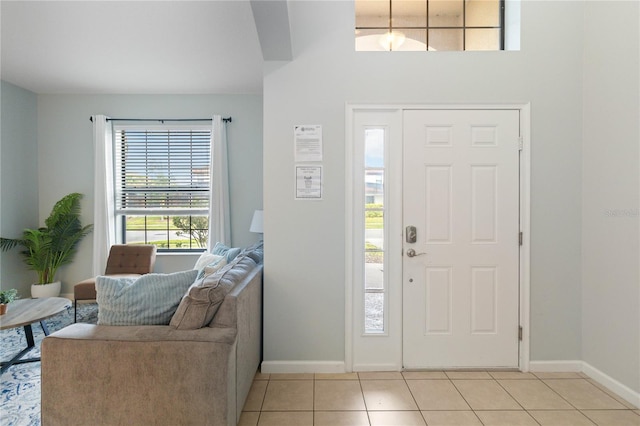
442,25
162,186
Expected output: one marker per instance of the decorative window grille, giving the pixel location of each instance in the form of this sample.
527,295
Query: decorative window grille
443,25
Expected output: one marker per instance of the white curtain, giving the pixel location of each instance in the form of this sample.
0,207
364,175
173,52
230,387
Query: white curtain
103,207
219,223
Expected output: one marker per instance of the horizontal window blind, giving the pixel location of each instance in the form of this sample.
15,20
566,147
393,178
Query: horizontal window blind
162,170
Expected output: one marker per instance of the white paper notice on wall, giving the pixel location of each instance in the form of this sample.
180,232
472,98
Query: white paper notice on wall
308,182
307,142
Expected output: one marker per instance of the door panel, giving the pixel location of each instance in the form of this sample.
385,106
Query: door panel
461,192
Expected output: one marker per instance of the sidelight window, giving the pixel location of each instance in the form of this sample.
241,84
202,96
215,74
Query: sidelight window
374,220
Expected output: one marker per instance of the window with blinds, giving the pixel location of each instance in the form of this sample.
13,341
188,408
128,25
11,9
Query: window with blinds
162,184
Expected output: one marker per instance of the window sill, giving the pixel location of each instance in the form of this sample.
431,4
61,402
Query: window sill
179,254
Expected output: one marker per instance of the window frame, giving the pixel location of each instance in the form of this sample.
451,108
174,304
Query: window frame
427,27
382,171
121,212
372,351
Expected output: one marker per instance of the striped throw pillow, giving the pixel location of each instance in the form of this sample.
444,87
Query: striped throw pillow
151,299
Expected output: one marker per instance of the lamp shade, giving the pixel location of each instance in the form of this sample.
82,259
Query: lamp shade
257,222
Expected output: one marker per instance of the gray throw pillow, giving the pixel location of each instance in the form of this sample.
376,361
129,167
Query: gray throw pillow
202,301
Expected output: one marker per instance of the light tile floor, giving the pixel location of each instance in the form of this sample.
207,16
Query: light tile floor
443,398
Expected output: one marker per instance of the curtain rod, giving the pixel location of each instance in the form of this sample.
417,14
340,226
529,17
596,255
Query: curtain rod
162,120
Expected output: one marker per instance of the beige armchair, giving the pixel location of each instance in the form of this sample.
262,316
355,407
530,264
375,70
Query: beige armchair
125,260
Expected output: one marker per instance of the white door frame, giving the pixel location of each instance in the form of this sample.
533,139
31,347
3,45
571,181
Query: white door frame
352,225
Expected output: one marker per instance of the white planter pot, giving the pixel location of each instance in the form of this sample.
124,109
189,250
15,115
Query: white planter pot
45,290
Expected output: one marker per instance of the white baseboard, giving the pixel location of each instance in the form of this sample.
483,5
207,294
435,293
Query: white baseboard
556,366
268,367
620,389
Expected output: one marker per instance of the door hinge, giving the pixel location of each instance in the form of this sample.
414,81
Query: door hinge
520,143
520,237
520,333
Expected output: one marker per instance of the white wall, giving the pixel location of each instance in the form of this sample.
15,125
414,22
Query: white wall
18,180
65,155
304,241
611,192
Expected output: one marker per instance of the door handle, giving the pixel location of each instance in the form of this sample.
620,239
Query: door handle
412,253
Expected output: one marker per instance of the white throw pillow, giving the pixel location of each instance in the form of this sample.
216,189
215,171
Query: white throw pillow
207,258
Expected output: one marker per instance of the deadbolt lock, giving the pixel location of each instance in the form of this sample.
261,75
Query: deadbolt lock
411,234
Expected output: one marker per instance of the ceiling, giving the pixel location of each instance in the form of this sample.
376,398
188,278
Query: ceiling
140,47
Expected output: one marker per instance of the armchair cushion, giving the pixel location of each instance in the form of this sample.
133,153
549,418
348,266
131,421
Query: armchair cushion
131,259
124,260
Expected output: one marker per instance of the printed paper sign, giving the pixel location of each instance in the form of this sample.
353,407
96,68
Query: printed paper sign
308,182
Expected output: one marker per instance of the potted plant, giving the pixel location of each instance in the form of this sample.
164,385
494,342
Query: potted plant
47,248
6,297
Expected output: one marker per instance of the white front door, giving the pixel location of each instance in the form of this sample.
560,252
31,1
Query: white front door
461,193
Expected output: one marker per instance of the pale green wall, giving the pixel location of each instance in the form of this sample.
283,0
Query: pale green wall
305,241
18,180
65,147
611,192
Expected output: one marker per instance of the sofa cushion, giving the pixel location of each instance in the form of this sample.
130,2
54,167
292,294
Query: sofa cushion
215,262
198,307
256,251
223,250
211,268
207,258
86,289
151,299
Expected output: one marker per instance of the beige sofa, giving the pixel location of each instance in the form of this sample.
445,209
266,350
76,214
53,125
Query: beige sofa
156,375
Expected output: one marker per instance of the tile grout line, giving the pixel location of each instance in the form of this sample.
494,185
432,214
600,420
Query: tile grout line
510,395
313,401
366,409
463,398
557,393
413,397
605,391
516,400
263,399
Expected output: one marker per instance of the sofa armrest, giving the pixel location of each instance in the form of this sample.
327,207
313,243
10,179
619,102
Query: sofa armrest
141,333
246,300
